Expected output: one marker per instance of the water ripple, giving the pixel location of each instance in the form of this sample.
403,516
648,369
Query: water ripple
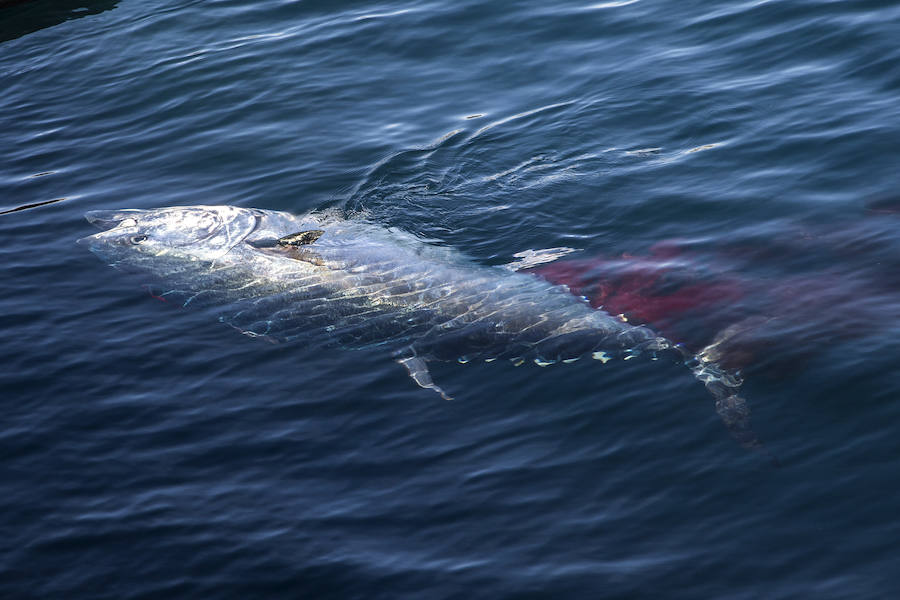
720,168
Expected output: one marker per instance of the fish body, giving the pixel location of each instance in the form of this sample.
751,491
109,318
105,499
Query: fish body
356,284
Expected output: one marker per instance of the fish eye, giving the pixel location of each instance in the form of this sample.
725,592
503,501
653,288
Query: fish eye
137,239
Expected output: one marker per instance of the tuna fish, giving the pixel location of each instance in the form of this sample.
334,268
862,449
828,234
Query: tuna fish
356,284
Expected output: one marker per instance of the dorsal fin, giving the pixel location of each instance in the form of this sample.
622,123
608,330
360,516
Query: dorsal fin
532,258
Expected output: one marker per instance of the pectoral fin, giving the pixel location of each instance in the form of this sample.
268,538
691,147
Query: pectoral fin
296,246
301,238
418,371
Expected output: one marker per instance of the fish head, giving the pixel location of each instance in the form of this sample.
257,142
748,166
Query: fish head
147,239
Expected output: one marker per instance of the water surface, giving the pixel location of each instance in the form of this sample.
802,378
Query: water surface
148,451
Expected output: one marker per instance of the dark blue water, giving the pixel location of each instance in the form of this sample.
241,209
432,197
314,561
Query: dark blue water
146,451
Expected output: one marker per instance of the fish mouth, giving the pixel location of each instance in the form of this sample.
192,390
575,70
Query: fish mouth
107,219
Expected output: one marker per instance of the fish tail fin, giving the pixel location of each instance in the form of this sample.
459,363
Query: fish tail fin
724,386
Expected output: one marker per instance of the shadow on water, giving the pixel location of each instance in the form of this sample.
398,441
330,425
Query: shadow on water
21,17
745,303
